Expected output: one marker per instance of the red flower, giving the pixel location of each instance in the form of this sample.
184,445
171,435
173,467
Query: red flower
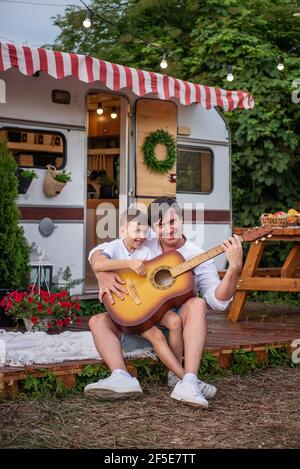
77,306
78,320
60,323
67,321
49,311
30,299
9,304
40,307
34,320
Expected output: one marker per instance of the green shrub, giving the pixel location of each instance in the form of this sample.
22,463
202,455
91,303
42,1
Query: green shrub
14,249
243,362
45,387
91,374
209,365
279,356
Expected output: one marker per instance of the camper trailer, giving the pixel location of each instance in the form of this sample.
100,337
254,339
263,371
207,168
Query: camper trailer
90,118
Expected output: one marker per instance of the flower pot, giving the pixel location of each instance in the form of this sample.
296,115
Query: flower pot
24,182
51,187
40,326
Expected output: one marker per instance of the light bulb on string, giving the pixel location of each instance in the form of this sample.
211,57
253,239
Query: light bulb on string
280,65
113,114
100,109
230,75
87,23
164,61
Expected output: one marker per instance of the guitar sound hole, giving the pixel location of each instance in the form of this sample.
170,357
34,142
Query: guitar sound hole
163,278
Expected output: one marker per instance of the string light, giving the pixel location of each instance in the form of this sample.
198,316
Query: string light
164,62
100,109
114,114
230,75
280,64
88,22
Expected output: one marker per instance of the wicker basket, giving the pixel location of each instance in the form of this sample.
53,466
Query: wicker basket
276,222
52,188
293,220
40,326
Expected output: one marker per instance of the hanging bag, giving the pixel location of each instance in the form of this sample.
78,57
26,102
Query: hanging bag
52,188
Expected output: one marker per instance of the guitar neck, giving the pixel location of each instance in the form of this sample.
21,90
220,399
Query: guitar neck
197,260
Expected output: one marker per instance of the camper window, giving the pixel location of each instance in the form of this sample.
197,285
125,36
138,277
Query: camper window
194,170
36,148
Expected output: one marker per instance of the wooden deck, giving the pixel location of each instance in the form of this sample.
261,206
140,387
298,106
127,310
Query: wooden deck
223,338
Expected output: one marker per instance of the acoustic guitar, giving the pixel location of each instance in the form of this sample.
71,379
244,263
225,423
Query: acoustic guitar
168,282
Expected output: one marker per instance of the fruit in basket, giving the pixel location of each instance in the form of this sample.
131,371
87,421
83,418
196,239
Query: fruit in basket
280,214
292,211
292,219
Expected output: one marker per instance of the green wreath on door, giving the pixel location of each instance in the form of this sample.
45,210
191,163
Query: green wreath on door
150,159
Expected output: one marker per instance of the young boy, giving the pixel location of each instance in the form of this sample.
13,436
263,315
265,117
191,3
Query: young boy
129,251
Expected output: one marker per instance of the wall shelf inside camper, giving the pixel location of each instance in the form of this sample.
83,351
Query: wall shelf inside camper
34,147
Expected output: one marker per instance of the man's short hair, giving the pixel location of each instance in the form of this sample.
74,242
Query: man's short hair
133,214
159,207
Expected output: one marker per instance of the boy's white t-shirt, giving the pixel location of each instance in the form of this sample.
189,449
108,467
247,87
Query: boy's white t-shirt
117,250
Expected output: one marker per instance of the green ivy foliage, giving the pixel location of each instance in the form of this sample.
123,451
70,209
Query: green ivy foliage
203,37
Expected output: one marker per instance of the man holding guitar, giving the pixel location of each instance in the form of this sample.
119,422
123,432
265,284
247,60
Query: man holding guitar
165,218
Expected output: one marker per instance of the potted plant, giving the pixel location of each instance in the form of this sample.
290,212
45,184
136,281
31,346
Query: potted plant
25,177
42,310
55,181
14,249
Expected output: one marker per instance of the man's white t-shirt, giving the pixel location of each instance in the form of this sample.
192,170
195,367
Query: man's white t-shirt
206,274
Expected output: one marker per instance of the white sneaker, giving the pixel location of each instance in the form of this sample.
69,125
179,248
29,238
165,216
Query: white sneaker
115,386
188,392
172,379
207,390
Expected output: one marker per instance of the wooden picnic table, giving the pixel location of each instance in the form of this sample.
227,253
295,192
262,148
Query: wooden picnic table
253,278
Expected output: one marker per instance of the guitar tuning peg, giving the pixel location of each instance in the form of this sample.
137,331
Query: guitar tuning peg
256,242
263,239
269,236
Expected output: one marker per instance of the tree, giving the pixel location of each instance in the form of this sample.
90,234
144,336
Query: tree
203,38
14,249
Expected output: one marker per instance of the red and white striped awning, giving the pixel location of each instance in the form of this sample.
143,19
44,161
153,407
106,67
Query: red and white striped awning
29,60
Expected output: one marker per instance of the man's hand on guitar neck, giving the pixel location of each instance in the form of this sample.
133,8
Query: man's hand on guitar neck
234,253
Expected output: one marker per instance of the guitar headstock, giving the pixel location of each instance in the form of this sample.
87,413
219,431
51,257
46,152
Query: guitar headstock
258,233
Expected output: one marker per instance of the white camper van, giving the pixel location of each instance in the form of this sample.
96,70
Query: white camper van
90,118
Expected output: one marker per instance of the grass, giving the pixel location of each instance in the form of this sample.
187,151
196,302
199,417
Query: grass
258,410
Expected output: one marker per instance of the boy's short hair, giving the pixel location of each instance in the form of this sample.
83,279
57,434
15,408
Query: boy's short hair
133,215
159,207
